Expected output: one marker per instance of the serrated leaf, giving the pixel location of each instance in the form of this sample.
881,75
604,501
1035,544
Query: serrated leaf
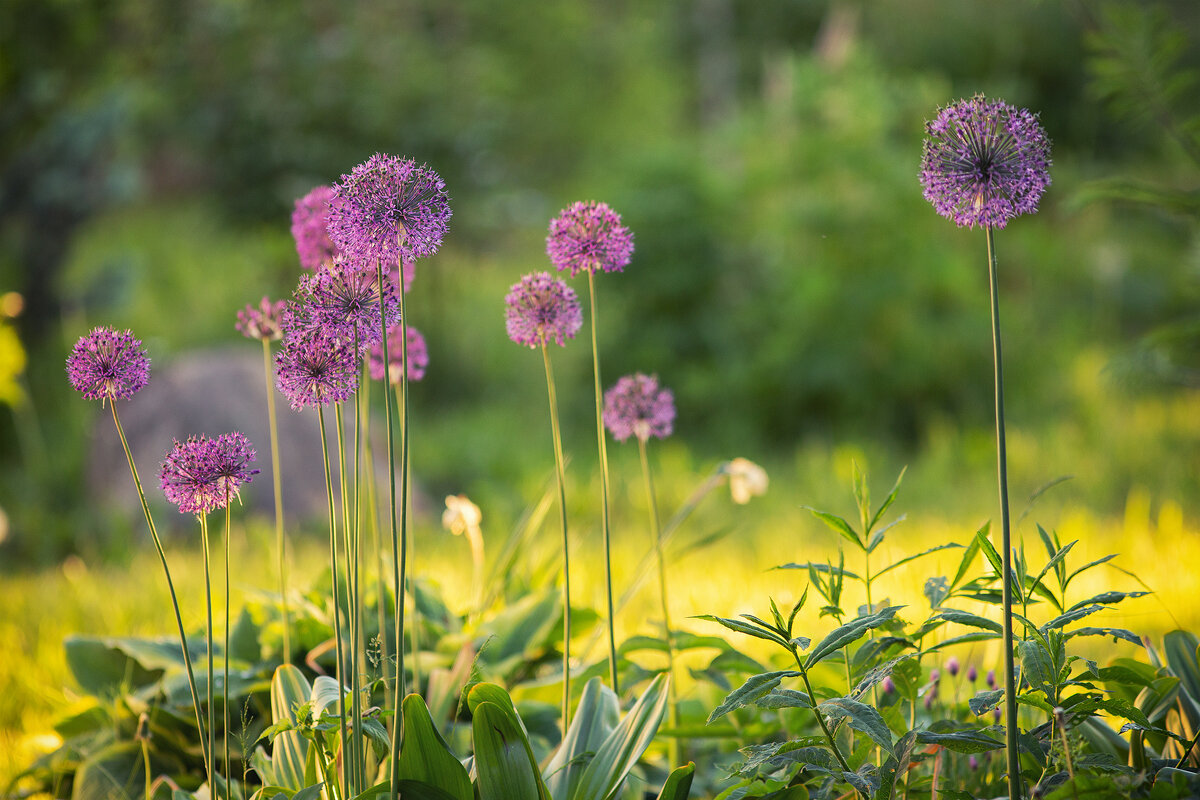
746,628
985,701
850,632
859,716
923,553
972,620
1116,633
1070,616
756,686
968,741
784,698
838,524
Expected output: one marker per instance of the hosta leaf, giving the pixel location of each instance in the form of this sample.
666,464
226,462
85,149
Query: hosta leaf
289,751
596,716
679,783
504,761
604,774
424,755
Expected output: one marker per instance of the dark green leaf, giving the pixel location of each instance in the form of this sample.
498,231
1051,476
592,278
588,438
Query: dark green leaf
1116,633
985,701
679,783
861,717
968,557
1107,598
755,687
838,524
850,632
503,758
749,630
967,741
784,698
424,755
1070,616
973,620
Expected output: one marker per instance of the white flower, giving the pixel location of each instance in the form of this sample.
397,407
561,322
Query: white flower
461,516
746,480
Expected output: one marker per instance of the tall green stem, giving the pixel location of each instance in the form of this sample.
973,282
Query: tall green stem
162,557
816,713
277,479
600,439
561,473
1010,689
337,605
351,659
225,660
673,746
209,632
373,521
414,625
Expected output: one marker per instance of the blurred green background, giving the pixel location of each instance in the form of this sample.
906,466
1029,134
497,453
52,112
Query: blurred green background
789,283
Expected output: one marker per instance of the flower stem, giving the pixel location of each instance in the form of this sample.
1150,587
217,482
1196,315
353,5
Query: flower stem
225,678
414,625
604,518
373,521
1010,691
561,474
816,713
209,632
337,606
673,746
278,481
349,553
162,557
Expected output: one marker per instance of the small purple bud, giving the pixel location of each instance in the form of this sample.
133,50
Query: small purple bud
952,666
996,713
991,679
935,675
973,762
888,685
972,673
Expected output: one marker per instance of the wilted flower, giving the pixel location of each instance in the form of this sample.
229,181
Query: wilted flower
540,309
636,406
461,516
106,365
343,299
418,357
188,476
389,207
952,666
310,222
746,480
985,162
315,368
261,321
587,237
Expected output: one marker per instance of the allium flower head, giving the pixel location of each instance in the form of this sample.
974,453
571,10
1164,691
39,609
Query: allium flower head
188,476
746,480
540,309
389,207
985,162
107,364
232,456
589,236
636,406
343,299
261,321
418,357
315,368
310,221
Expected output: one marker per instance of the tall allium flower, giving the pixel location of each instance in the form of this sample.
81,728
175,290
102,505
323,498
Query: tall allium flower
418,357
310,222
232,456
388,206
540,309
315,368
108,365
985,162
636,406
589,236
261,321
188,476
344,301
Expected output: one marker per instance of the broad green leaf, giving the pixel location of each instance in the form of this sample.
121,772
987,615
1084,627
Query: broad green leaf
325,694
850,632
597,715
1037,667
521,631
903,561
972,620
424,755
679,783
859,716
967,741
415,790
102,666
503,758
755,687
604,775
985,701
1182,651
289,750
838,524
784,698
115,772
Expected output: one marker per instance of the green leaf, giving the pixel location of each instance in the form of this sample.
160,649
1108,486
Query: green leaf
877,536
972,620
602,778
923,553
891,498
1070,616
755,687
1088,566
966,741
901,754
424,755
679,783
325,694
861,717
838,524
1055,559
503,758
850,632
993,557
985,701
822,568
1181,649
966,638
746,628
969,554
1108,598
289,750
784,698
1038,667
115,772
103,666
597,715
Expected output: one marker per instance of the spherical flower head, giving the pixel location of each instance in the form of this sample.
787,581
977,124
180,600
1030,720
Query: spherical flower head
261,321
636,406
108,365
188,476
310,222
389,208
540,309
343,298
589,236
315,368
746,480
985,162
232,456
417,354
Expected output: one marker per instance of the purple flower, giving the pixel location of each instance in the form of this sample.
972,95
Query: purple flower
315,368
261,321
973,762
985,162
188,476
343,299
935,675
389,207
991,679
972,673
952,666
996,713
418,357
635,406
540,309
107,364
310,220
889,685
587,237
232,456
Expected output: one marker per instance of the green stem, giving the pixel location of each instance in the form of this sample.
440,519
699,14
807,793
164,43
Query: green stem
1010,690
816,713
414,626
561,474
146,763
277,479
604,517
337,606
162,557
350,659
225,679
673,745
373,521
209,633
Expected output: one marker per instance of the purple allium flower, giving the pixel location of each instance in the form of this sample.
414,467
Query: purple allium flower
540,309
232,457
985,162
889,685
315,368
106,365
991,679
310,221
587,237
952,666
418,357
636,406
344,300
972,673
261,321
389,207
188,476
